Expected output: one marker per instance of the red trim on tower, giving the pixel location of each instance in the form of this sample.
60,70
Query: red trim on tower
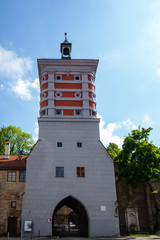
46,77
68,94
89,77
68,103
67,112
92,104
91,86
44,103
44,86
90,94
69,78
68,85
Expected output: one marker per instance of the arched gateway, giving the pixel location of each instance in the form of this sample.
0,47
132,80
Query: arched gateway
70,219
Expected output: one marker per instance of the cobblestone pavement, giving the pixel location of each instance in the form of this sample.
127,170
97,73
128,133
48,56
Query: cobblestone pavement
76,238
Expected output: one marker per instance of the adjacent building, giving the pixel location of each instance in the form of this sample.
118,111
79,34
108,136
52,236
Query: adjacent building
12,187
70,182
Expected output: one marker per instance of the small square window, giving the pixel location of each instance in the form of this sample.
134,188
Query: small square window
80,172
59,144
43,112
13,204
78,112
58,77
94,113
58,112
11,177
59,171
22,176
77,77
79,144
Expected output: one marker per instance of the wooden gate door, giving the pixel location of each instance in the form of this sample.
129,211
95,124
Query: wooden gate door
12,226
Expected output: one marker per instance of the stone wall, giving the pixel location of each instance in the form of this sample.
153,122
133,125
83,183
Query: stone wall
140,202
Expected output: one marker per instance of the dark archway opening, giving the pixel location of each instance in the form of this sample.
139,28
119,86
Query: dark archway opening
70,219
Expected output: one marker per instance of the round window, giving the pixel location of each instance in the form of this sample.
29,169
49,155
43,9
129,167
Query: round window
58,94
77,94
93,95
43,95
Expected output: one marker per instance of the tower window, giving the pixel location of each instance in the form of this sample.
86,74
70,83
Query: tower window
58,94
78,112
80,172
43,112
58,112
59,171
43,95
77,94
94,113
77,78
59,144
58,77
93,95
13,204
79,144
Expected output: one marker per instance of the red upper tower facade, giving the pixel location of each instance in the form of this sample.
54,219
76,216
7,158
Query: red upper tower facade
67,88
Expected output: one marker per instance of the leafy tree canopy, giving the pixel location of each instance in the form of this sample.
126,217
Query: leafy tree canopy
20,142
113,150
139,160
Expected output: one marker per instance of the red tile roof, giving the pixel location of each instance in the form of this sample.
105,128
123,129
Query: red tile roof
13,163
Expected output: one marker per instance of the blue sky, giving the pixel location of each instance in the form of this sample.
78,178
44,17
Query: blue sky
123,34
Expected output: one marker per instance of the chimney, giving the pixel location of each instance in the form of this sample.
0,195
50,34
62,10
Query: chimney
7,150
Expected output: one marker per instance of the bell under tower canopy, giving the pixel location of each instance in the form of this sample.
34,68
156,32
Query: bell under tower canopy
66,48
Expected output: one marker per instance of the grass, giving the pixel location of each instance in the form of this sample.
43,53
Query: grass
139,235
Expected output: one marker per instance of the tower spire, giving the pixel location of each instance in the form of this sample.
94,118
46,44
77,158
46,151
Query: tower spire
66,48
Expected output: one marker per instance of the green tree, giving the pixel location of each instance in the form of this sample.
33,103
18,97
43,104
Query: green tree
20,142
139,162
113,150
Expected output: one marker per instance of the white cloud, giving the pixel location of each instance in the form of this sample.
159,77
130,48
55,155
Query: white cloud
1,86
147,120
36,131
22,88
18,72
128,123
158,72
107,134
